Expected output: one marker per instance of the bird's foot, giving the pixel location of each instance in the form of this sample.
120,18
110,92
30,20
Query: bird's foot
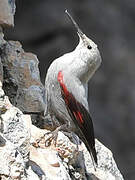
47,139
53,136
50,137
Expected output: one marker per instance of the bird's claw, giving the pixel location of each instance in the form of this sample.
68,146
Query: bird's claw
52,137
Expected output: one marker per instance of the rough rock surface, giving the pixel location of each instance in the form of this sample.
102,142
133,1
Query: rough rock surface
1,45
15,138
23,154
7,11
20,76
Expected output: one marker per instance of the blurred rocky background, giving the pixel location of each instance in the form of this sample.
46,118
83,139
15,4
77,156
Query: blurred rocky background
43,28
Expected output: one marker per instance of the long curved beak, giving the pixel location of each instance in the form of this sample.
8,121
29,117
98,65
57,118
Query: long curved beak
79,31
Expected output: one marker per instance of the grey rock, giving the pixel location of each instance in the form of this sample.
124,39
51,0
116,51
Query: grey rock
13,6
2,42
33,95
11,162
7,11
15,130
1,71
31,175
13,126
14,140
21,78
82,166
107,168
2,140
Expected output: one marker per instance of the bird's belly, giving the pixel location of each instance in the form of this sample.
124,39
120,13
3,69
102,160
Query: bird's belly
60,111
59,108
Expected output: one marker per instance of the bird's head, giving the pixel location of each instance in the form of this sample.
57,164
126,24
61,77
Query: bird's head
87,50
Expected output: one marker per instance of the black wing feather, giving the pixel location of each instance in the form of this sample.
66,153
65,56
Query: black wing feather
86,127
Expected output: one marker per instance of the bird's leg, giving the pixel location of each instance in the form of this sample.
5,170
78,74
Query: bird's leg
54,135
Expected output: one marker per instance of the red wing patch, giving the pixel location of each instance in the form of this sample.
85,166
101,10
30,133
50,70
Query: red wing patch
69,99
63,86
78,116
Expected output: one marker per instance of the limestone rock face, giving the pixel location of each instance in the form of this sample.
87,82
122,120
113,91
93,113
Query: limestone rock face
7,11
14,140
24,156
1,71
2,41
21,78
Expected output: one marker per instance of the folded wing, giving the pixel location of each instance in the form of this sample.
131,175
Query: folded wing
80,117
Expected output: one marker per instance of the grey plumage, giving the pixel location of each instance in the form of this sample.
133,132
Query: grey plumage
77,68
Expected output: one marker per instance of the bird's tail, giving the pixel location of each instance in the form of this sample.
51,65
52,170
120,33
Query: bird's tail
86,130
92,152
93,155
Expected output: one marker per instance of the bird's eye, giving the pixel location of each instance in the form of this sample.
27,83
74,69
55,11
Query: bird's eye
89,47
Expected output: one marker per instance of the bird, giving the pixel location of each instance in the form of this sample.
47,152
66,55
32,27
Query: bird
66,89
